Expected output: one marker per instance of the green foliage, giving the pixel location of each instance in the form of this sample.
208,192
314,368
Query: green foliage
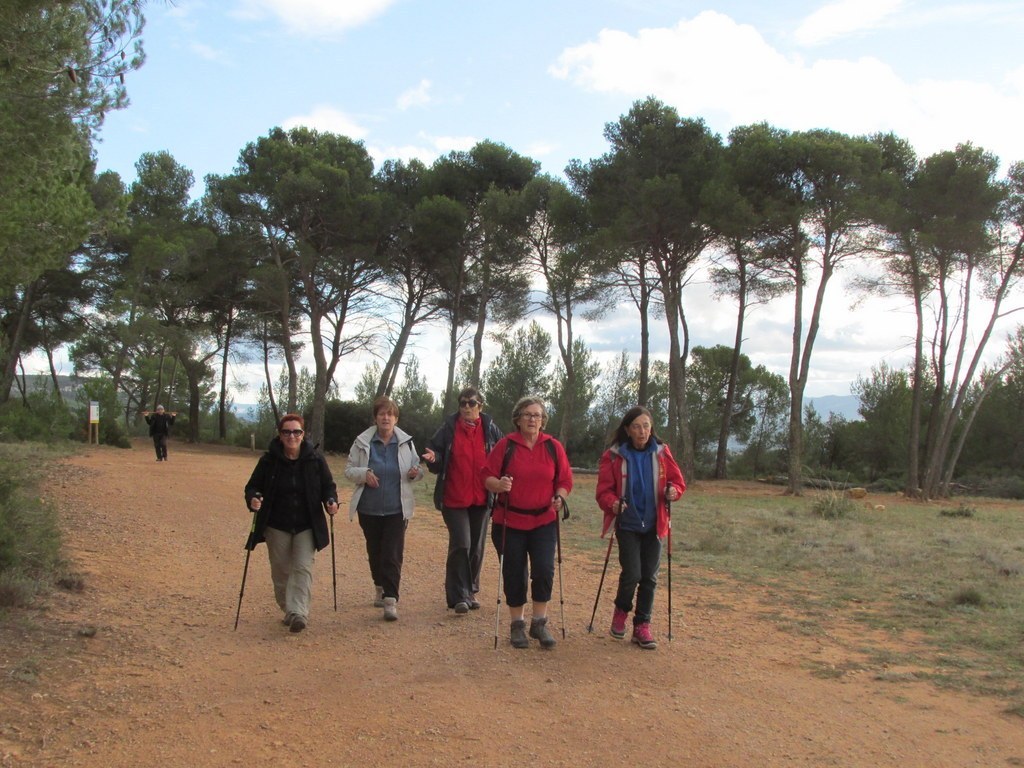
30,543
343,421
520,369
102,390
42,417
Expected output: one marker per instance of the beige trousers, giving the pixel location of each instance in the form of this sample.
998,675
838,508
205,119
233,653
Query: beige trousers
291,569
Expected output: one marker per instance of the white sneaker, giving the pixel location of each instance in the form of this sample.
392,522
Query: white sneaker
390,609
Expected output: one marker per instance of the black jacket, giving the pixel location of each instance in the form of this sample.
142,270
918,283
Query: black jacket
319,487
441,445
159,423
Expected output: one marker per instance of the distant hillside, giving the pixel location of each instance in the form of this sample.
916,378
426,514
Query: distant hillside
841,405
35,382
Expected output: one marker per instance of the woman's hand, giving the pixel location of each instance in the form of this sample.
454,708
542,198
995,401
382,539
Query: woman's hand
429,456
371,479
332,507
618,506
256,502
414,471
671,493
504,484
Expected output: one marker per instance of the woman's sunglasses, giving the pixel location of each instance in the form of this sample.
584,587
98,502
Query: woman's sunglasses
469,403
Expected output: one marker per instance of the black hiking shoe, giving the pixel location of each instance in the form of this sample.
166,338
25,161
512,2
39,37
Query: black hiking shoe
539,631
518,636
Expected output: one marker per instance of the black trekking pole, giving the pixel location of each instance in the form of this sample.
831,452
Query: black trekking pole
558,543
249,546
334,570
607,557
501,570
668,509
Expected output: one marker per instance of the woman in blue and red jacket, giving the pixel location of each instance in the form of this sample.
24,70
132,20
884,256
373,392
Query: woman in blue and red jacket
636,476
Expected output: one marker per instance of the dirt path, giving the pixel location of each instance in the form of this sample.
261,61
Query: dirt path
165,681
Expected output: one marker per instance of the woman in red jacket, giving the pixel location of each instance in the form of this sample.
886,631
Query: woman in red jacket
636,476
530,469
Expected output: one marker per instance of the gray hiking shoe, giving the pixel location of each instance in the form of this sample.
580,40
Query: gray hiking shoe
391,609
539,631
518,636
378,597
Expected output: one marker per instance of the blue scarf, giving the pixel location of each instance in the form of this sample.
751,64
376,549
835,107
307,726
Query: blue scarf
642,512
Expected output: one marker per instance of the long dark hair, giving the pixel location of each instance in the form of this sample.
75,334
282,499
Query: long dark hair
621,434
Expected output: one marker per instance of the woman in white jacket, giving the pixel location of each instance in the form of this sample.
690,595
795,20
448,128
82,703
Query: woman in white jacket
383,464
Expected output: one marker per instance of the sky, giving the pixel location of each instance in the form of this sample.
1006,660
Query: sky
418,79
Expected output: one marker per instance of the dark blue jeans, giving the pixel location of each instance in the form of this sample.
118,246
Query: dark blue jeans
467,536
536,546
640,557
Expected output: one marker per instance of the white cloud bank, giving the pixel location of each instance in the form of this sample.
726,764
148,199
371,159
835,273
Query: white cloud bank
728,73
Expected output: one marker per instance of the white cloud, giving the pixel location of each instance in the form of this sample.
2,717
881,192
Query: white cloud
415,97
318,18
843,18
726,72
430,148
207,52
539,149
327,119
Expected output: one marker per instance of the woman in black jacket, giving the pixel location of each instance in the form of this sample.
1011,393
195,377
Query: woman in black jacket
455,454
289,491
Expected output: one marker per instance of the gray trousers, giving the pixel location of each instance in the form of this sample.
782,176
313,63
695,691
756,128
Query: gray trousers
467,536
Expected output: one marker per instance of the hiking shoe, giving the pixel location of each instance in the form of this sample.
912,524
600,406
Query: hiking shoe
539,631
474,605
518,634
287,620
461,608
618,629
642,636
378,596
298,624
391,608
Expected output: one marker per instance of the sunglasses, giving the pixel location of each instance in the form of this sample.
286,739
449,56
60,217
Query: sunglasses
292,432
469,403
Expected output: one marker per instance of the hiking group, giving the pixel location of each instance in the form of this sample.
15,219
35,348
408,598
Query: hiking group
520,481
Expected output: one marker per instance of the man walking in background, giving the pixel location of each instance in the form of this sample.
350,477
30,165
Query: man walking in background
159,428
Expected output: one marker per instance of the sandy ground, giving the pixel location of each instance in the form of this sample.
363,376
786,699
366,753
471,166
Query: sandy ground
142,667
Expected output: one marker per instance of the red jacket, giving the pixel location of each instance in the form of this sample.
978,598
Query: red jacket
611,481
528,505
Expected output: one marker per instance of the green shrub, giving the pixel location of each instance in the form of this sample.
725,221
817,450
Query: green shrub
833,505
41,417
968,597
962,511
30,543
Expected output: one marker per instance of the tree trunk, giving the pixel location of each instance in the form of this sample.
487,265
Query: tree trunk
13,352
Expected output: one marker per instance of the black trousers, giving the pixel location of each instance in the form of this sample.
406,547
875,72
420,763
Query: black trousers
160,445
640,558
534,548
385,549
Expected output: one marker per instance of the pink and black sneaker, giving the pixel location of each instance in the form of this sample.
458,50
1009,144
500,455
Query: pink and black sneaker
642,636
618,629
